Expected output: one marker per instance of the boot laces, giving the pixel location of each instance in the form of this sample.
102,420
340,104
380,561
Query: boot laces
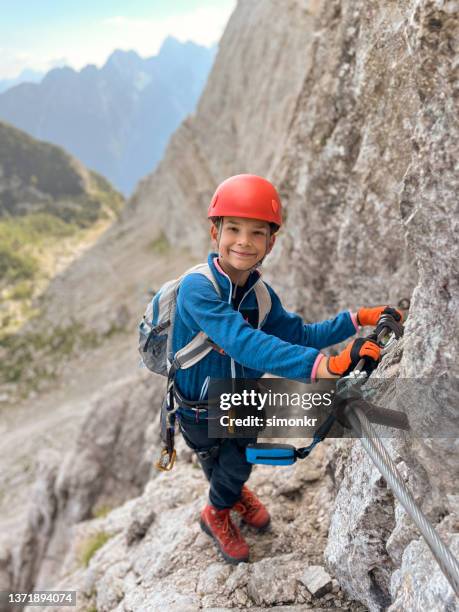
228,528
248,504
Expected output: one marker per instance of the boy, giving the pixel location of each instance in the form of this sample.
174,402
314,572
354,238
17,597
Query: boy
245,214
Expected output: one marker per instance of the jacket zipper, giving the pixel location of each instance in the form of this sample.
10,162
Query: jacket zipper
233,365
243,298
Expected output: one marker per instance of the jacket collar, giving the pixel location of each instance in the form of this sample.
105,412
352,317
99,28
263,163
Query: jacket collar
224,281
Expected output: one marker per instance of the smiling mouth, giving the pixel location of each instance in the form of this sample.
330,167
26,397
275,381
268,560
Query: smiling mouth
243,254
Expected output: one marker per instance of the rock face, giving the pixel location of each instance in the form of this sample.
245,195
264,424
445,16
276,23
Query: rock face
316,580
349,107
154,556
368,179
109,464
345,161
368,145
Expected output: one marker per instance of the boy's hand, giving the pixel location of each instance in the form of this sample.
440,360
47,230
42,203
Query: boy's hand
370,316
346,361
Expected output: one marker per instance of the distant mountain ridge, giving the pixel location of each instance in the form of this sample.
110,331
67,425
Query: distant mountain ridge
26,76
117,119
38,177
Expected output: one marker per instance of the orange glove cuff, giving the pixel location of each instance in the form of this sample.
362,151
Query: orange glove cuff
337,364
370,316
351,355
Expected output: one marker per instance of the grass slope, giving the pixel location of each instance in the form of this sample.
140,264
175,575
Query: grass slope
50,206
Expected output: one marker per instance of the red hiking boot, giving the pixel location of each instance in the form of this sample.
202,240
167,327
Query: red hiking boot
218,524
252,511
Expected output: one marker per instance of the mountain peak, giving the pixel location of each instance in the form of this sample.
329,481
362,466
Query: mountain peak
59,75
170,43
123,60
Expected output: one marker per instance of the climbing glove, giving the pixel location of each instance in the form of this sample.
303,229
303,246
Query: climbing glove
350,356
370,316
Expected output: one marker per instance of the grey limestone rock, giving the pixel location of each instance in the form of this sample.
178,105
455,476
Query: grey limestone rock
274,580
142,518
419,584
316,580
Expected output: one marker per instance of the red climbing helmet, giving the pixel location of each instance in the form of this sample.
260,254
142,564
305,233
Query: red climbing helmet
246,195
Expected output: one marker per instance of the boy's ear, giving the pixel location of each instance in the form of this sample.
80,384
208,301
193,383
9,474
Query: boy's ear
271,242
213,231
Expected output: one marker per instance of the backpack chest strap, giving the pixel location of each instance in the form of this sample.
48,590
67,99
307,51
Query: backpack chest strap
192,352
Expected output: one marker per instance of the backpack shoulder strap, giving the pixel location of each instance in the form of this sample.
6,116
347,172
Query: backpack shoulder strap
264,302
205,270
199,347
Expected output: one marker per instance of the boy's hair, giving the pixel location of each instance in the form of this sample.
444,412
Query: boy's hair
217,221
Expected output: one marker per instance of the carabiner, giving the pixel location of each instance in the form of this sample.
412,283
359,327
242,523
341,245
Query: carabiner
166,460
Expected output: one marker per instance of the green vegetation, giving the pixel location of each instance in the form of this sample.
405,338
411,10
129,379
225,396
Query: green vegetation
20,291
159,246
21,238
103,192
43,166
92,545
37,176
37,225
101,511
48,204
31,359
16,266
25,239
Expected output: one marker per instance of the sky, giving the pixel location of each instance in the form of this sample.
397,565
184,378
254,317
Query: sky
42,34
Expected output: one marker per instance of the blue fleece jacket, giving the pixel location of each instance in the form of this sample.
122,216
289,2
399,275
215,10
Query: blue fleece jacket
284,346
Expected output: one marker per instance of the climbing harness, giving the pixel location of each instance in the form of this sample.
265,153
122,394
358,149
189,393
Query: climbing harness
168,416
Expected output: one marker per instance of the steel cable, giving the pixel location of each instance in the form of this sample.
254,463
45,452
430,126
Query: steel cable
381,458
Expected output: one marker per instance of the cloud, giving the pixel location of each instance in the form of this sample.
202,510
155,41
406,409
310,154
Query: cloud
58,62
203,25
12,63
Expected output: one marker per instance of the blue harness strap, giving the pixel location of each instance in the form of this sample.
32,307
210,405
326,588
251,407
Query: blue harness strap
286,454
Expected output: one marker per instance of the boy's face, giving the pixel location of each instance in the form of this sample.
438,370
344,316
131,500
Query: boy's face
243,242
